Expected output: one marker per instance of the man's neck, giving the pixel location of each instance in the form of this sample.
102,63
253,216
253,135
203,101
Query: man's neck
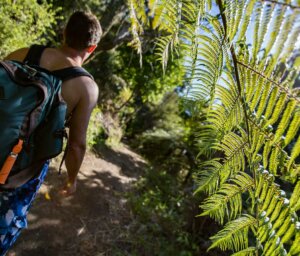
76,57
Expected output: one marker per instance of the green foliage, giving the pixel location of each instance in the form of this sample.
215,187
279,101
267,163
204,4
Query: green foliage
161,208
23,23
148,82
240,62
94,131
128,91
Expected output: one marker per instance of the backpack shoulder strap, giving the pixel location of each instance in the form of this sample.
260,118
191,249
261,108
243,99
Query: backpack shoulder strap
33,58
34,54
71,72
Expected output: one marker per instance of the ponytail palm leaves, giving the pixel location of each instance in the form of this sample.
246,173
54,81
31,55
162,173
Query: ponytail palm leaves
241,60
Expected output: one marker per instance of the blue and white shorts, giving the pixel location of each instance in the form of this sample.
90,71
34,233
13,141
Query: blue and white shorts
14,206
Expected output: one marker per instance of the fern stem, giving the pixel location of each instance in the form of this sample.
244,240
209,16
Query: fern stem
281,3
242,98
235,61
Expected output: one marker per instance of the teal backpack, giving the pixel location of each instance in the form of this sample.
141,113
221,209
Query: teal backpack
32,117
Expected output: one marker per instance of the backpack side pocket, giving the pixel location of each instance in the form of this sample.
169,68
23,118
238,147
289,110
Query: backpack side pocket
48,138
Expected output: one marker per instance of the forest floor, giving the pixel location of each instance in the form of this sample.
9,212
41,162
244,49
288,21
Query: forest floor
92,222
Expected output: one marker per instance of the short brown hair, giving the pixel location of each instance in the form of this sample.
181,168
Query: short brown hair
82,30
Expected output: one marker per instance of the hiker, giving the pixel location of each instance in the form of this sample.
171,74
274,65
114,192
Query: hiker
80,92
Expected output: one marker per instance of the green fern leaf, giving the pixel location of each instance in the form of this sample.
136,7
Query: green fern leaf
290,45
288,234
246,19
258,93
266,152
227,201
293,127
274,160
257,13
278,109
271,194
294,201
295,153
278,17
281,40
271,102
263,101
209,178
250,251
265,23
295,248
234,236
285,119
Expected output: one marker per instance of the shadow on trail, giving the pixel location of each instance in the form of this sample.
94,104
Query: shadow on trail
127,162
87,223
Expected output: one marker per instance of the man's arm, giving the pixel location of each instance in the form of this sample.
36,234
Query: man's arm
78,129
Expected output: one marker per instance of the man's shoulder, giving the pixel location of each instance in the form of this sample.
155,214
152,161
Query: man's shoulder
81,85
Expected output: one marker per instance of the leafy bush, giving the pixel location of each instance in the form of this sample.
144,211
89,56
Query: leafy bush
161,226
23,23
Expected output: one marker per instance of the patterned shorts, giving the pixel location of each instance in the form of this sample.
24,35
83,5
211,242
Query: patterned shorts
14,206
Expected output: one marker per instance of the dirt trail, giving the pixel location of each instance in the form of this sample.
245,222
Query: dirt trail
89,223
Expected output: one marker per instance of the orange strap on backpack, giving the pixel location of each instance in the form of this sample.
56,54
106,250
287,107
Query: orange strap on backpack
10,161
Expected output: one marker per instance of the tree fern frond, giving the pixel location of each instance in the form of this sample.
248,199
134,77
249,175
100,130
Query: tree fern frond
249,6
171,18
250,251
136,27
164,46
210,177
293,127
287,3
234,236
281,88
237,17
271,102
277,225
280,104
257,13
285,119
272,193
266,152
264,99
295,248
295,153
280,41
156,12
294,201
229,114
265,23
277,19
290,44
274,160
227,201
234,148
258,93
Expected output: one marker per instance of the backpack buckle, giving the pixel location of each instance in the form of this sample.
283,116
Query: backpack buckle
32,72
